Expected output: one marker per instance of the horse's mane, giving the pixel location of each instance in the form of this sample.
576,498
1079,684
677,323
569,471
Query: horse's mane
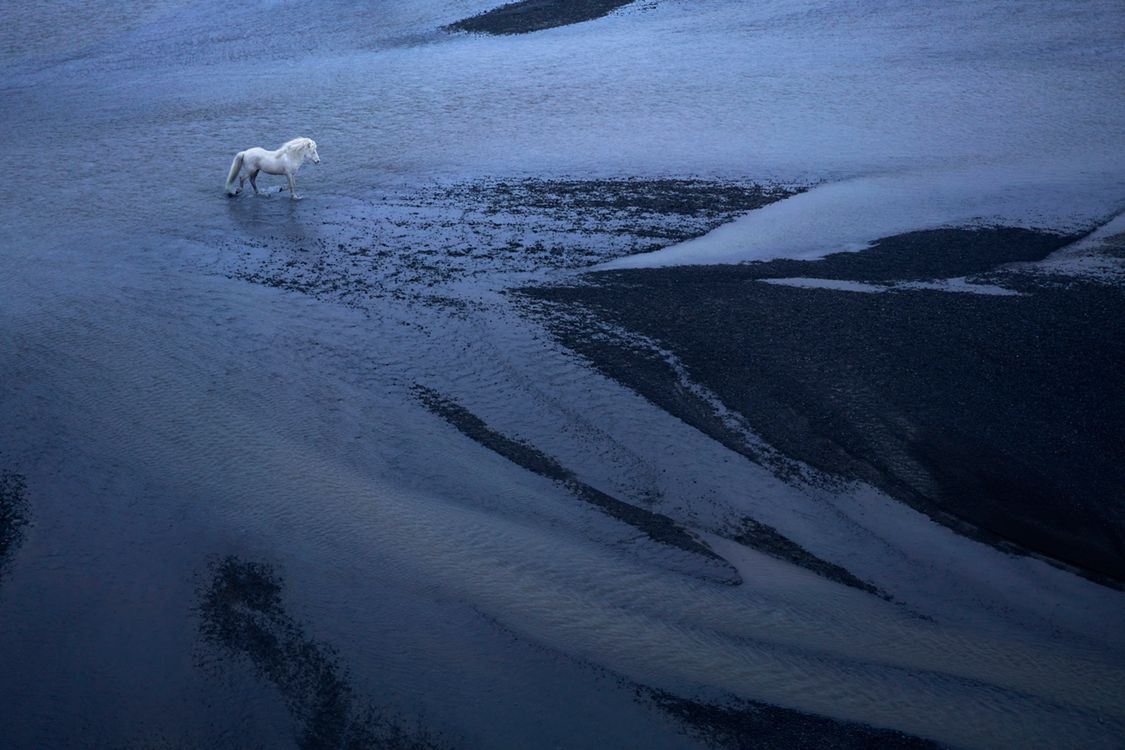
295,144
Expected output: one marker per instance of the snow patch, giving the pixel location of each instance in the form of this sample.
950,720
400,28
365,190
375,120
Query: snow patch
849,215
839,285
1099,256
960,284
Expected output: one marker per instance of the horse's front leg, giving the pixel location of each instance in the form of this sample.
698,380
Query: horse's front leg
292,188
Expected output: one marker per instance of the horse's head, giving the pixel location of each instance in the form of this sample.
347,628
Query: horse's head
310,149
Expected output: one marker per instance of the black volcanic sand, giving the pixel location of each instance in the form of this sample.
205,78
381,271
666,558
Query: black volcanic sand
410,245
658,527
242,612
916,256
631,198
746,725
13,514
722,720
536,15
767,539
1000,416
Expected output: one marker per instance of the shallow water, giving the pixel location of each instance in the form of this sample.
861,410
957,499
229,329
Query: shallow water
168,413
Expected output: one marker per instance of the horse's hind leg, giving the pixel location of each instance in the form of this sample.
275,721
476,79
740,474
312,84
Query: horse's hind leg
253,176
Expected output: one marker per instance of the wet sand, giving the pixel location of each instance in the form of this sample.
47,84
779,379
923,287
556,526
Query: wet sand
656,526
250,529
966,406
418,243
521,470
13,514
243,613
536,15
742,725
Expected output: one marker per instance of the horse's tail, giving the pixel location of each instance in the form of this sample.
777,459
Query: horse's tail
235,168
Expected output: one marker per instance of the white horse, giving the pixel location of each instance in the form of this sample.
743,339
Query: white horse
286,160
